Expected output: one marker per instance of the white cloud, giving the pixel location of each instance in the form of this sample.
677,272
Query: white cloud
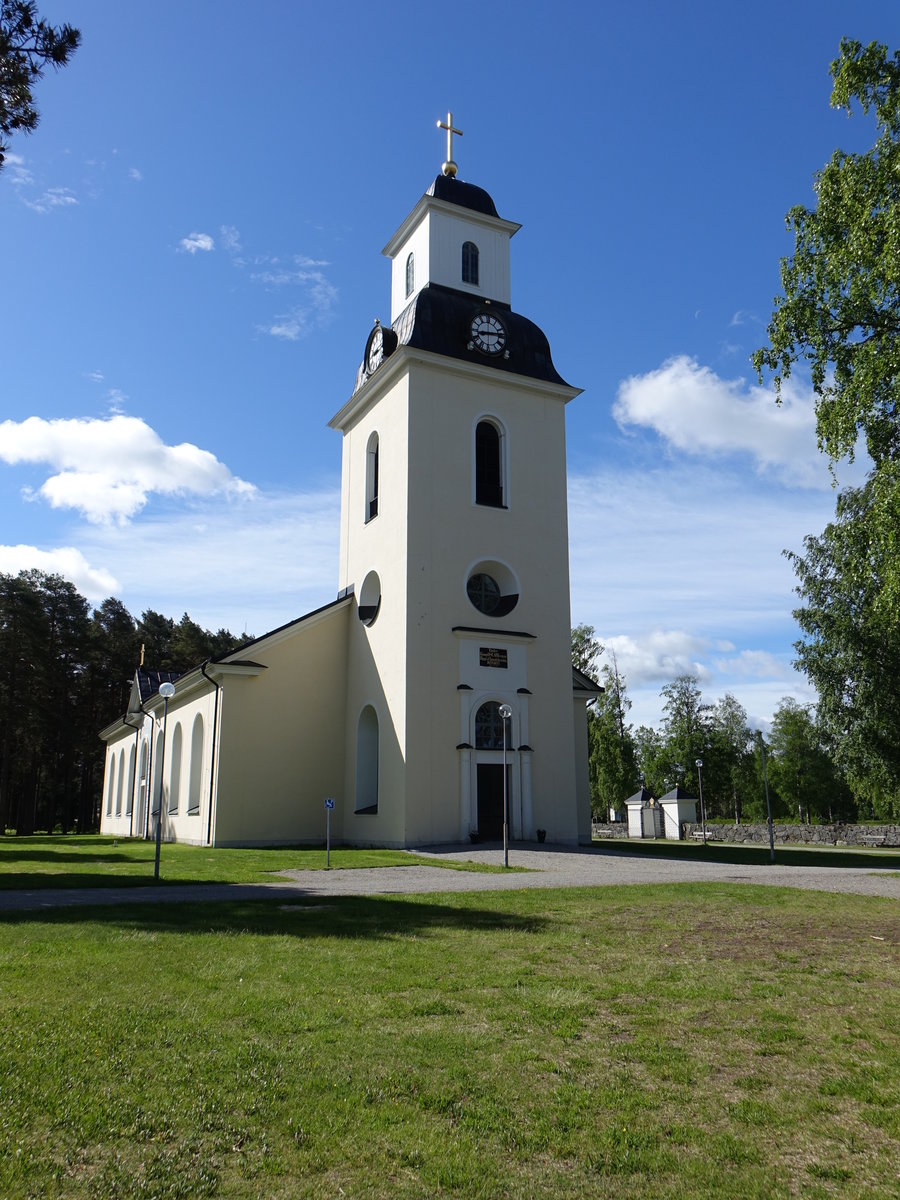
135,174
20,176
197,241
231,239
699,413
681,569
58,197
95,376
94,583
289,326
658,656
250,569
108,469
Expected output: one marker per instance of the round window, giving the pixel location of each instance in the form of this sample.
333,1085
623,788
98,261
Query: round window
369,598
484,592
492,588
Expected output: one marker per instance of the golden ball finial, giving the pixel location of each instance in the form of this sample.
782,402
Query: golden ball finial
450,168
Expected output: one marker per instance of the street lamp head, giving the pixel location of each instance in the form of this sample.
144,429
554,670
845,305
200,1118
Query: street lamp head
167,690
505,712
699,762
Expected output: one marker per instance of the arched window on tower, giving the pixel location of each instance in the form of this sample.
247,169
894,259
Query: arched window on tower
489,727
410,274
372,477
367,761
470,263
489,465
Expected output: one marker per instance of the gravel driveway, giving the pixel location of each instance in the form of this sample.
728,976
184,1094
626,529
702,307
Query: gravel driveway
551,866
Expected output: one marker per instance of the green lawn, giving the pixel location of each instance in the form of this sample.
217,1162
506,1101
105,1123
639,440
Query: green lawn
94,861
648,1042
742,854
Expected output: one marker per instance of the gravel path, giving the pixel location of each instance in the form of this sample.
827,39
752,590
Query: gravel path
548,867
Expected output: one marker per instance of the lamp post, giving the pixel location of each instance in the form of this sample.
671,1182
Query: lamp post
505,713
702,806
762,750
167,691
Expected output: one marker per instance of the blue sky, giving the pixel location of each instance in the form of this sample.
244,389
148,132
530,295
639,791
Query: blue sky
191,265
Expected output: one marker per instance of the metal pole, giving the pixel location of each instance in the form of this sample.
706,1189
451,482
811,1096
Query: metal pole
505,713
762,747
162,768
702,806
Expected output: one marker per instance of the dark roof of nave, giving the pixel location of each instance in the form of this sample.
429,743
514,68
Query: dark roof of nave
149,681
466,195
438,319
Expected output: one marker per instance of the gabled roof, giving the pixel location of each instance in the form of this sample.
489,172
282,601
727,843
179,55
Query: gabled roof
584,683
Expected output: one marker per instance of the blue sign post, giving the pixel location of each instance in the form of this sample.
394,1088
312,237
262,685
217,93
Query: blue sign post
329,805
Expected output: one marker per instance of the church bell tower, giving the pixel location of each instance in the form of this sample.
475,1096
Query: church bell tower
454,545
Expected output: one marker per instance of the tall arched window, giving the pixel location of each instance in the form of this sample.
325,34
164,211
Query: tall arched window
488,465
157,785
470,263
489,727
129,794
142,781
196,768
410,274
112,784
120,786
372,477
367,761
175,769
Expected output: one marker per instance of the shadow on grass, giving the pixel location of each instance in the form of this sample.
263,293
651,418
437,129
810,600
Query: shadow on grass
290,914
742,855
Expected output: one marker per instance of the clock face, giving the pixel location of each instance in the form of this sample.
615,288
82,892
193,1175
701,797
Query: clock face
375,348
488,333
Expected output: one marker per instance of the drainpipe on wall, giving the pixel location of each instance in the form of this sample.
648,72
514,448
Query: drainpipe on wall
212,761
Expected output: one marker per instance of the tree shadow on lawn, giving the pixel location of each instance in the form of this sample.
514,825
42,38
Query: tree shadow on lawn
742,855
292,914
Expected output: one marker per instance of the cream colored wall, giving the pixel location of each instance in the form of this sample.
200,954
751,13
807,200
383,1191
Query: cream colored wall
282,739
121,742
376,662
448,534
435,236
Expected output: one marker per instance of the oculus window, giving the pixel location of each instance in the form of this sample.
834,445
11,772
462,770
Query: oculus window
370,598
492,589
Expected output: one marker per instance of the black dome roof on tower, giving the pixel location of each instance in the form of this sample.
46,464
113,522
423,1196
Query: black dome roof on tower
466,195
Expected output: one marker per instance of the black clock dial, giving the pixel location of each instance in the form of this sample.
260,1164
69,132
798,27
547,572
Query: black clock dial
488,333
374,348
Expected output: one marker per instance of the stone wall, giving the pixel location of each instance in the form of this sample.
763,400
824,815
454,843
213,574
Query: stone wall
617,829
813,835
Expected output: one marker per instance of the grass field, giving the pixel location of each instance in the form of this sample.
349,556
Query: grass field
643,1042
94,861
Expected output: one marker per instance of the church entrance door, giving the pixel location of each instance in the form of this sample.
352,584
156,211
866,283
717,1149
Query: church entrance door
490,800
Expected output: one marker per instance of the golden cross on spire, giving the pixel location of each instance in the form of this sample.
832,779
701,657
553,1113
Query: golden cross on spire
449,167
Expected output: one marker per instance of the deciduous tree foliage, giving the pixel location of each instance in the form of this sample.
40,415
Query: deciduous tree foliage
839,311
851,649
65,673
613,761
27,46
840,314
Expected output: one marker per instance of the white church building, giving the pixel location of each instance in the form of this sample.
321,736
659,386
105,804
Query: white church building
453,600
